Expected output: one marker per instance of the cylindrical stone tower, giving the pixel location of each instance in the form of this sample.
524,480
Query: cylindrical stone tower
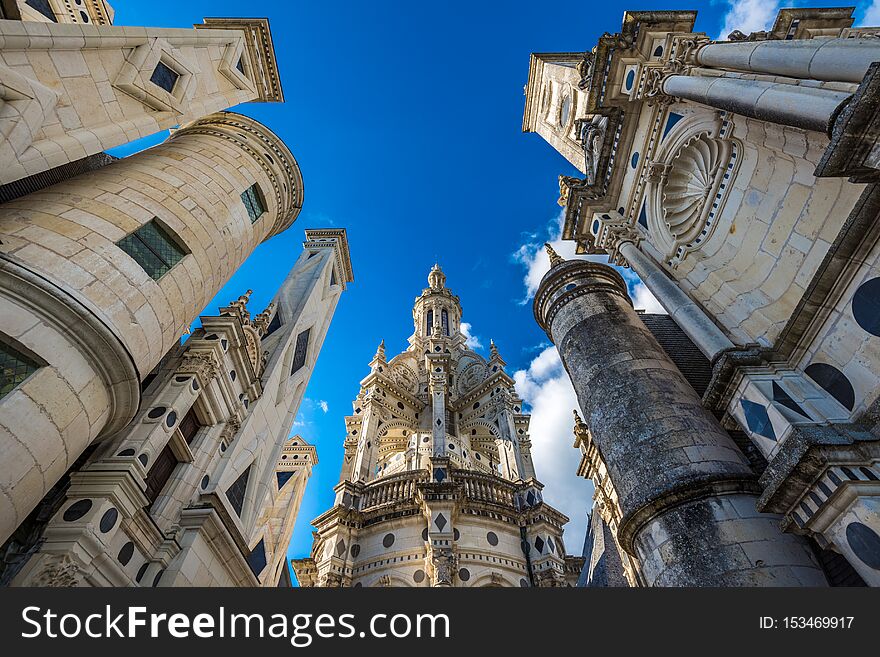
101,274
686,492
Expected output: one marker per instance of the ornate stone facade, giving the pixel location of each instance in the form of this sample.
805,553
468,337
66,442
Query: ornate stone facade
437,485
129,458
203,487
736,178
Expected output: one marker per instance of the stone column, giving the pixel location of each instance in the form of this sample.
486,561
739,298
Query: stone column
831,60
809,108
686,492
688,315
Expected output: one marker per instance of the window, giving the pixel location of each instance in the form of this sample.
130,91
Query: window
160,473
253,201
275,324
333,276
444,320
15,367
235,493
283,478
299,352
164,76
44,8
190,425
257,558
153,249
429,322
240,65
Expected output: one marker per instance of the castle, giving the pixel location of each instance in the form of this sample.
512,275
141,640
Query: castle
437,486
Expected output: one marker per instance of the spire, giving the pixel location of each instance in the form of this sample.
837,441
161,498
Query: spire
380,351
555,258
261,321
436,279
238,308
494,356
493,350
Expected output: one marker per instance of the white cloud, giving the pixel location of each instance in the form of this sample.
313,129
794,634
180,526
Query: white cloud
471,340
545,387
749,16
324,406
533,256
871,17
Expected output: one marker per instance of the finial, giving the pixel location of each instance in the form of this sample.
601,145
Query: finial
555,258
436,278
493,350
380,351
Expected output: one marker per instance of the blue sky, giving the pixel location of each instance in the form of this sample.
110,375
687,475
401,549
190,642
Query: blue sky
405,118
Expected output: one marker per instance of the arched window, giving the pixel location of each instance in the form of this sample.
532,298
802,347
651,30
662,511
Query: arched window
429,322
444,319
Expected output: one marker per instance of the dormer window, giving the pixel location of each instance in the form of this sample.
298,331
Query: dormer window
164,76
565,111
43,7
253,202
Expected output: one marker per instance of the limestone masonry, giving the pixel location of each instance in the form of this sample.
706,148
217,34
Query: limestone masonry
738,179
129,458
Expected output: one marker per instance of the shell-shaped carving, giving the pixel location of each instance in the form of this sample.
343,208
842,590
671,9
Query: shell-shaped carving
691,184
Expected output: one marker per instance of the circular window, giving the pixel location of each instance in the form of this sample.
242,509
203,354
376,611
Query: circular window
156,413
171,419
565,111
158,577
181,379
630,78
866,306
143,458
205,480
834,382
142,571
77,510
419,576
464,574
108,520
865,543
126,452
523,583
634,160
425,534
492,537
195,385
388,541
456,535
126,553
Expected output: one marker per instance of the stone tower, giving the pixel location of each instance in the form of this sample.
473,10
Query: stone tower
437,485
104,266
202,488
739,179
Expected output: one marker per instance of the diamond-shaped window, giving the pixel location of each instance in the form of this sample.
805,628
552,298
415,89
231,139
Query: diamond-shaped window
440,521
539,544
757,419
783,398
164,76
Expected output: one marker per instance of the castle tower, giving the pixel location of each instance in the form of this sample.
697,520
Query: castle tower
686,493
437,485
101,274
203,486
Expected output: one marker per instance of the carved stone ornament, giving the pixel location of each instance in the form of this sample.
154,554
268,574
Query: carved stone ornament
60,572
691,182
585,70
202,364
443,562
